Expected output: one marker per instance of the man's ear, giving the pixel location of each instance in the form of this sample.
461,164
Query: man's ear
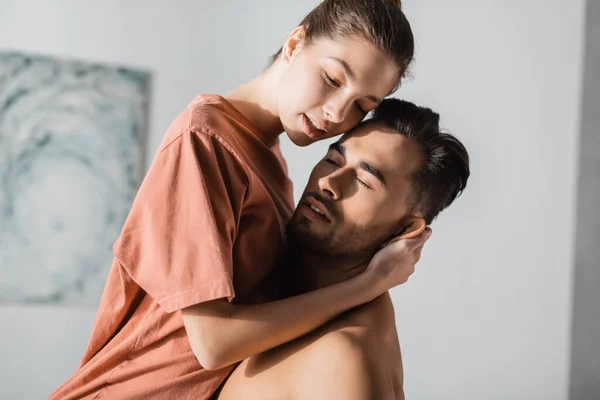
293,43
411,227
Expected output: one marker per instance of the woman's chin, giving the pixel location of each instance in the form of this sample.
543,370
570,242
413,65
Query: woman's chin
299,138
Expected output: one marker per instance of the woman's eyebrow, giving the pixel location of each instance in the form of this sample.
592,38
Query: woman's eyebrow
352,76
346,67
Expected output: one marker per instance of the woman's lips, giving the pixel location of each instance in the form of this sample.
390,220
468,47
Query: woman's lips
310,130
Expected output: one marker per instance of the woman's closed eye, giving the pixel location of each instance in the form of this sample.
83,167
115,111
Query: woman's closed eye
362,110
336,84
331,82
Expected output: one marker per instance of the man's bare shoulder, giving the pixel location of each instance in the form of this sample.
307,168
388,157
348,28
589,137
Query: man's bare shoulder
344,345
335,366
358,357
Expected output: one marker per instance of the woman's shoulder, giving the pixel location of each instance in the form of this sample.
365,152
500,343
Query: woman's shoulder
206,118
213,114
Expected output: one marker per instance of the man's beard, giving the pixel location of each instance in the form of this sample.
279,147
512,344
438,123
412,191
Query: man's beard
354,243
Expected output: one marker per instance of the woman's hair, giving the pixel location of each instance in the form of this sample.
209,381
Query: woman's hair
381,22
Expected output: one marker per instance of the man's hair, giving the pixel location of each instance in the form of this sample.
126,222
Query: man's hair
380,22
445,170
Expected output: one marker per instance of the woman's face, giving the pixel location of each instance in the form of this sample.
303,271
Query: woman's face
327,87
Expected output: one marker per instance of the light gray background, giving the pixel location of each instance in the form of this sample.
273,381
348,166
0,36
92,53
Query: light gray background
488,313
585,357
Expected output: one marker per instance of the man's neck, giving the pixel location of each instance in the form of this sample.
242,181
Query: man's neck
320,271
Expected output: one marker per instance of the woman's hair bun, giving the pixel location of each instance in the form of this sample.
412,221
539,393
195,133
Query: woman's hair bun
397,2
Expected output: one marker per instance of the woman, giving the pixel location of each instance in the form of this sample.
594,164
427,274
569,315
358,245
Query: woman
192,284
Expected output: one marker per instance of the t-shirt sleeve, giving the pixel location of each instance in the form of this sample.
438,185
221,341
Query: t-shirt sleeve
177,241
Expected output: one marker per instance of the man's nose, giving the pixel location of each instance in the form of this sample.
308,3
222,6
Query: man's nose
330,186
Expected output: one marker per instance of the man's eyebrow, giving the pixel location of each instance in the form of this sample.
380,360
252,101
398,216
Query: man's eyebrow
373,171
337,146
352,76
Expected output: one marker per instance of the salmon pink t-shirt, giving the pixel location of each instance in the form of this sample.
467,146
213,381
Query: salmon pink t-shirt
208,222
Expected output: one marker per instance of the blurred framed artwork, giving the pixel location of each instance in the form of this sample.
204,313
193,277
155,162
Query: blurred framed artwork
72,140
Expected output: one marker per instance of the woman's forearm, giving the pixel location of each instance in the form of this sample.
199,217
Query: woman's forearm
221,333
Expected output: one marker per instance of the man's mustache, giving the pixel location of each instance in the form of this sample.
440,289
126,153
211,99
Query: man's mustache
327,203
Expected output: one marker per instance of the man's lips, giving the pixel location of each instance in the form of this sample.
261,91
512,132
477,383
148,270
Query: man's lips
324,212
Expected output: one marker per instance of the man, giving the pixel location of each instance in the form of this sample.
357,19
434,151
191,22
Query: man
389,177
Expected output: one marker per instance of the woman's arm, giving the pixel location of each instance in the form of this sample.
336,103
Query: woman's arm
221,333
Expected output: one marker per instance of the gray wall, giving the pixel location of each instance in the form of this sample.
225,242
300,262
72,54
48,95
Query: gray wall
585,355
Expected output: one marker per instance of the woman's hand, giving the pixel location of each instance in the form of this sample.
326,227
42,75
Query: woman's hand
395,262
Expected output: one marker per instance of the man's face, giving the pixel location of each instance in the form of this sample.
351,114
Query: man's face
360,191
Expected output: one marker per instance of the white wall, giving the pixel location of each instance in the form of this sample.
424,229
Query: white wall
487,315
